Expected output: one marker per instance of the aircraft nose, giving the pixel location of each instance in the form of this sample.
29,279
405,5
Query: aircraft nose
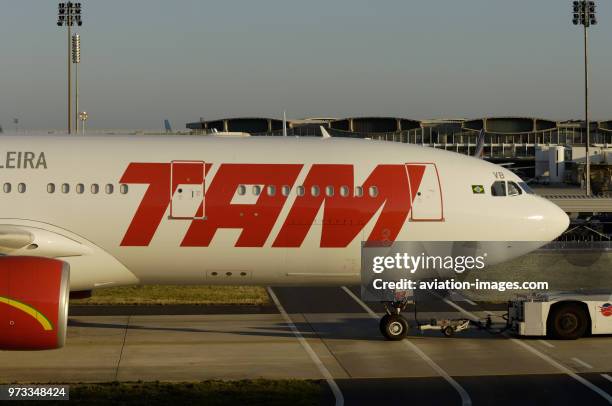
549,219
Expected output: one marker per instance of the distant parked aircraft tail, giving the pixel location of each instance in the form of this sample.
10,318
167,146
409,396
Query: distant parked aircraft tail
167,126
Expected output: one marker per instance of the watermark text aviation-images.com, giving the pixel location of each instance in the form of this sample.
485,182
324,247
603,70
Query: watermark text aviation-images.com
411,264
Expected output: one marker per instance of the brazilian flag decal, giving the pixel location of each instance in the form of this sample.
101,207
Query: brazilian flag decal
478,189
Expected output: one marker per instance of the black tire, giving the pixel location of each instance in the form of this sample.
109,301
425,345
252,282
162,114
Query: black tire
567,322
383,322
448,331
393,327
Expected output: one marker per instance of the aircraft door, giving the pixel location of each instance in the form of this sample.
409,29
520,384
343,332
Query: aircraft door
428,203
187,190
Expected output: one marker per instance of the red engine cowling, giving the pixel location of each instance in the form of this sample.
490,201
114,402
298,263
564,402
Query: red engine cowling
34,295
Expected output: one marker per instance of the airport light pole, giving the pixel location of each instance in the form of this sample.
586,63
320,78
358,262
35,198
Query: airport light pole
584,14
69,14
76,59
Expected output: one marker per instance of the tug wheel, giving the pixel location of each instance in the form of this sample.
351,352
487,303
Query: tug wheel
567,322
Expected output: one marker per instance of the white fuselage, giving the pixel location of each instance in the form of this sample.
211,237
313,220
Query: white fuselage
171,224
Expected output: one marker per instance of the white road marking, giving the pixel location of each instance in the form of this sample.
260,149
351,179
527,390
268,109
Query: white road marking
564,369
465,397
546,343
465,299
313,356
546,358
581,362
470,301
608,377
459,308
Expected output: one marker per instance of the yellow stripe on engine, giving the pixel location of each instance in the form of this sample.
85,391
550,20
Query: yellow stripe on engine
44,322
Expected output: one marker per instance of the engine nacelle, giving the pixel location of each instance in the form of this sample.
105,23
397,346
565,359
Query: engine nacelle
34,295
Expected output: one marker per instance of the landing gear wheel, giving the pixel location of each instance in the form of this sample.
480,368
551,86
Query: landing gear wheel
448,331
567,322
393,327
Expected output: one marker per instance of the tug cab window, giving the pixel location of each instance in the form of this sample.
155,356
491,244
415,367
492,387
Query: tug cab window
513,189
498,188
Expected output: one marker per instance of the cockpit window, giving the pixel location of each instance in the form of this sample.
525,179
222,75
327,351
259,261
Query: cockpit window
526,188
498,188
513,189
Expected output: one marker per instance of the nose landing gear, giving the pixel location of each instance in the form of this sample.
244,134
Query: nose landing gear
393,325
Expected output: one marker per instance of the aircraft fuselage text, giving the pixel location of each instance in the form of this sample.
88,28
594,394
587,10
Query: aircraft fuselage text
23,160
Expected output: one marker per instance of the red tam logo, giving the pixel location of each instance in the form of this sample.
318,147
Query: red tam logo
389,189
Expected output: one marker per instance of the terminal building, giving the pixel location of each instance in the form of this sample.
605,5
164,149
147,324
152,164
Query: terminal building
506,138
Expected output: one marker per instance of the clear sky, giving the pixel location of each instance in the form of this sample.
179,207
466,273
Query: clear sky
146,60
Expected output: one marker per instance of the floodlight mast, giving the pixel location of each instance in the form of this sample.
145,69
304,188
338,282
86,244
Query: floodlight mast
69,14
76,59
584,14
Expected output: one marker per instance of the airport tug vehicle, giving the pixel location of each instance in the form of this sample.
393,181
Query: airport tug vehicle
561,315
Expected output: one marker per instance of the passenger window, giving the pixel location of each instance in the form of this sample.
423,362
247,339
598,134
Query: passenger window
344,191
513,189
241,190
65,188
498,188
123,189
80,188
314,191
95,188
373,191
51,188
256,190
109,189
271,190
286,190
358,191
329,191
7,188
300,190
21,188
